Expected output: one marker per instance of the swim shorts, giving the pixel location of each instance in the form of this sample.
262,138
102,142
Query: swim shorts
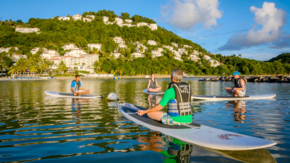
166,119
241,93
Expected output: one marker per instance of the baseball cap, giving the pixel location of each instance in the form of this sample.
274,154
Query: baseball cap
236,73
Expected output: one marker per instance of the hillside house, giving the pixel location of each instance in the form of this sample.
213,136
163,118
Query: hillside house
151,42
96,46
27,30
77,17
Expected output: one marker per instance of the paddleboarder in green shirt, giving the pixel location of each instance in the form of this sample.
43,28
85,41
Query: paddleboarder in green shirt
177,97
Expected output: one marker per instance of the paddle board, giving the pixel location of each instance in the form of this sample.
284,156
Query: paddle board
229,98
69,95
152,93
195,133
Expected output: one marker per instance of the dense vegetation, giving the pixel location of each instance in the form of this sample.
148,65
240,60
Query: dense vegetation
55,33
283,58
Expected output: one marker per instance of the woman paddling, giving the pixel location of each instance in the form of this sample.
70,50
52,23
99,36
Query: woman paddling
153,85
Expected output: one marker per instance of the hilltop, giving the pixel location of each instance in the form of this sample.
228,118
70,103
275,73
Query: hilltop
283,58
107,43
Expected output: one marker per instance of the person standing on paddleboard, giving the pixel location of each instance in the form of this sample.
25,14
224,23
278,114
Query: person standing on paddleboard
153,85
239,88
76,88
177,97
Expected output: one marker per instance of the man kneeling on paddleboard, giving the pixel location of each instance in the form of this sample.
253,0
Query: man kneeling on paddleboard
177,98
239,89
76,88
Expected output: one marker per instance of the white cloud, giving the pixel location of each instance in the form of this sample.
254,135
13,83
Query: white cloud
186,14
271,19
283,43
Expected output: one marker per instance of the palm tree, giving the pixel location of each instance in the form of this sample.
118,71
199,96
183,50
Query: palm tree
14,69
34,66
62,67
22,65
2,61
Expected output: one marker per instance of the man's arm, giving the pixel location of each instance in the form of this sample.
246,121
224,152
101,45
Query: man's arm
154,109
72,89
242,84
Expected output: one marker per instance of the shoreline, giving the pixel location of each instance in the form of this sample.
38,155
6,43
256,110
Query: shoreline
208,77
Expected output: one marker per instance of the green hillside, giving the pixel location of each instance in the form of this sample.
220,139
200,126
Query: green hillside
56,33
283,58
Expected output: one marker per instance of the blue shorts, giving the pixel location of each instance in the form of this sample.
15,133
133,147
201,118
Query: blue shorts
166,119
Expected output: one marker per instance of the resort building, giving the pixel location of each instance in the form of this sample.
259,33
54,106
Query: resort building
34,50
95,46
122,46
137,55
119,40
206,57
63,18
26,30
77,17
157,53
153,26
87,19
182,50
119,21
116,55
70,46
91,16
75,52
214,63
193,57
174,44
105,19
168,47
16,57
187,46
48,54
139,49
5,49
151,42
128,20
142,24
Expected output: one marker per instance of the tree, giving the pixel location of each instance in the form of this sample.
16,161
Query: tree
125,15
14,69
62,67
21,64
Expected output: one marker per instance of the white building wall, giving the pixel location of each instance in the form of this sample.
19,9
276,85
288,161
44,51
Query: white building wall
137,55
128,20
151,42
91,16
87,19
142,24
96,46
63,18
77,17
153,26
27,30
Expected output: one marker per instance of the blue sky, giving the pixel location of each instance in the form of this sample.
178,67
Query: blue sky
255,29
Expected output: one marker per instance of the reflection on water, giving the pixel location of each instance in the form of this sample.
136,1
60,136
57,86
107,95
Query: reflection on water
36,127
172,149
239,110
153,101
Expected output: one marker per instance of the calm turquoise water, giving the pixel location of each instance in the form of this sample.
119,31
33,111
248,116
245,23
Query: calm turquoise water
39,128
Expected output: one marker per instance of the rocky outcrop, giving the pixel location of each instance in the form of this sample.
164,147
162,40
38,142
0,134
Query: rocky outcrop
279,79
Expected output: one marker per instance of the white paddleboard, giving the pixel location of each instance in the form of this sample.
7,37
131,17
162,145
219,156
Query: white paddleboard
230,98
69,95
197,134
152,93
